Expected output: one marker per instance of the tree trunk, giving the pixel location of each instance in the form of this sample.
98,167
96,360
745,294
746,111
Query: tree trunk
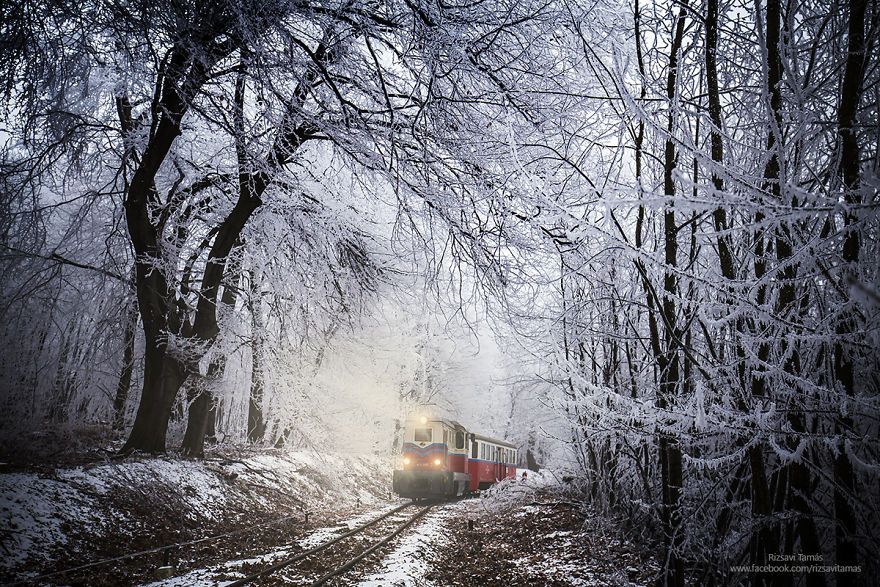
122,388
162,374
850,171
155,299
665,352
794,478
202,418
669,361
197,420
214,415
163,377
760,497
199,423
256,422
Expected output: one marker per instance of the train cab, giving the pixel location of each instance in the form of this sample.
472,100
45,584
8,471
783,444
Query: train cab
440,458
433,459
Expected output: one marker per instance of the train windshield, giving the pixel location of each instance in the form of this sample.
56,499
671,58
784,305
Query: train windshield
423,434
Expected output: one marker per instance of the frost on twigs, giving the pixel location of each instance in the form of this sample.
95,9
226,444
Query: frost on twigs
509,494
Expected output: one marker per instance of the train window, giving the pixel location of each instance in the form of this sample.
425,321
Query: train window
459,440
474,448
445,438
423,434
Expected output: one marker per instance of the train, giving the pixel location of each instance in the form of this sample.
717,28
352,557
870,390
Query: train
441,459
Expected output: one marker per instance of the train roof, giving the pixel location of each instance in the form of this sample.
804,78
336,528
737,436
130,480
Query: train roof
447,421
454,424
494,441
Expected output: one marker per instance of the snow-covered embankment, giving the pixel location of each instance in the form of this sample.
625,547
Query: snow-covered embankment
58,518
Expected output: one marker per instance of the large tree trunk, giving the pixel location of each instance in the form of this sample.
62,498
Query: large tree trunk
154,296
163,377
252,185
215,413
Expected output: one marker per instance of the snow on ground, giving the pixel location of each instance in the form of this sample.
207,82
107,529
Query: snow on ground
328,533
530,533
64,513
408,564
34,513
525,531
207,577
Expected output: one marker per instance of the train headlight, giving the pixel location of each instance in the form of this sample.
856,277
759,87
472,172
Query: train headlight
423,420
437,462
406,461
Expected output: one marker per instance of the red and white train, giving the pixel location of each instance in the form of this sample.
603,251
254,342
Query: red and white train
442,459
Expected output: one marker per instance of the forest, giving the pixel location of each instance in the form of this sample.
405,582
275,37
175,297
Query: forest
273,222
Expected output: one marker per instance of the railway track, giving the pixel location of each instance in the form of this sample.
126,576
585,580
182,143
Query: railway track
349,562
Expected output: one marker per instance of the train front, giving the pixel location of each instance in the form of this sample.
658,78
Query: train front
425,460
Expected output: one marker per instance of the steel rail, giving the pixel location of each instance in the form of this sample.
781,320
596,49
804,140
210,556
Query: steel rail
307,553
347,566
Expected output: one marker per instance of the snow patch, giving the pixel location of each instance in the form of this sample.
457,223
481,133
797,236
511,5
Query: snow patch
408,563
70,509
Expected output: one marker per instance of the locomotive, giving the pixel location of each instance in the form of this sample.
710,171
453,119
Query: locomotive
442,459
